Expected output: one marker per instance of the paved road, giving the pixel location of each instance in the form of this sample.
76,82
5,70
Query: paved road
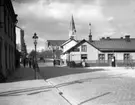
52,72
91,87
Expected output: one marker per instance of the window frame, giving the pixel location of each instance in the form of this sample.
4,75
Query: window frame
86,56
110,56
83,48
101,58
126,56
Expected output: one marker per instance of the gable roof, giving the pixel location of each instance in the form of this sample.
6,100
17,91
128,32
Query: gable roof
78,44
69,40
109,45
115,45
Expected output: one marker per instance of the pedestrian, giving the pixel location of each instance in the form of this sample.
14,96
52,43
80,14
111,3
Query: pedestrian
30,61
54,62
27,61
83,63
113,61
33,63
24,62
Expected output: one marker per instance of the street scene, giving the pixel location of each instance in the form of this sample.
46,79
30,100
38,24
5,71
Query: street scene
63,52
70,86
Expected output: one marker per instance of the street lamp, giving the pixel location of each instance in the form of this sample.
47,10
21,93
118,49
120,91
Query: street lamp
35,37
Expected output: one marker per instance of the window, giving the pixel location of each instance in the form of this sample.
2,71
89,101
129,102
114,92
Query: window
83,56
110,57
84,48
101,57
126,56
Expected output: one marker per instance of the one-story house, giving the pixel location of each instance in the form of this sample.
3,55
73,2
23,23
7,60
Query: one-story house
100,52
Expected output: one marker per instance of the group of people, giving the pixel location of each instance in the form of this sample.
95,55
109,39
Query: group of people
28,62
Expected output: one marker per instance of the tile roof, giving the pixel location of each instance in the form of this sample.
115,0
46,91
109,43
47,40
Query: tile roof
114,44
104,45
109,45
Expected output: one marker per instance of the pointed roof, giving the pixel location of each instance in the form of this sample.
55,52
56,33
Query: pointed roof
69,40
72,29
78,44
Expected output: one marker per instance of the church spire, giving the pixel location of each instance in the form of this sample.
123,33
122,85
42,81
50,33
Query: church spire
72,29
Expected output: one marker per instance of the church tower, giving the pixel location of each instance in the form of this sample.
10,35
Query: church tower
72,29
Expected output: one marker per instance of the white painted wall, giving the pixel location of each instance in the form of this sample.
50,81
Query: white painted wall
133,55
69,45
92,53
119,56
75,57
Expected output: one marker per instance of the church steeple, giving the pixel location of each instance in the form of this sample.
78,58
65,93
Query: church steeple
72,29
90,35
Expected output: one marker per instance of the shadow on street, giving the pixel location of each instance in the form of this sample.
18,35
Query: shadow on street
51,72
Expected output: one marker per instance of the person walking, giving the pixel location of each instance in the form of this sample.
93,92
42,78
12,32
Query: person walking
33,63
83,63
113,61
30,61
54,62
27,61
24,62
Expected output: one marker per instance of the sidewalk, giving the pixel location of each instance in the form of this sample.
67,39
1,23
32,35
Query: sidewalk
22,74
22,89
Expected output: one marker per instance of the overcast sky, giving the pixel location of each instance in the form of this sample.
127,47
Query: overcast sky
50,19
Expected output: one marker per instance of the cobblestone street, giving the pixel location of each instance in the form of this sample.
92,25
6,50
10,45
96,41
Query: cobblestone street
76,86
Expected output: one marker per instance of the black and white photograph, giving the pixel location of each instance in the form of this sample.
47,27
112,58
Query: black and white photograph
67,52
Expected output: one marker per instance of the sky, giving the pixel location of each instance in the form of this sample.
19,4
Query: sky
50,19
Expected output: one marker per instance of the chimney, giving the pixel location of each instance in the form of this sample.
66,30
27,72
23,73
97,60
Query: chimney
127,38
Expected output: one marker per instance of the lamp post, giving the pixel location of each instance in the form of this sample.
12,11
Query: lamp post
35,37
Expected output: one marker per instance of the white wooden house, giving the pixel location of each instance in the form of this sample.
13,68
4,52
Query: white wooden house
65,47
96,52
100,52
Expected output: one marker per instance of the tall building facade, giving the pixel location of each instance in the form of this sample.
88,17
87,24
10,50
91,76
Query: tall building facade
23,45
8,20
20,42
